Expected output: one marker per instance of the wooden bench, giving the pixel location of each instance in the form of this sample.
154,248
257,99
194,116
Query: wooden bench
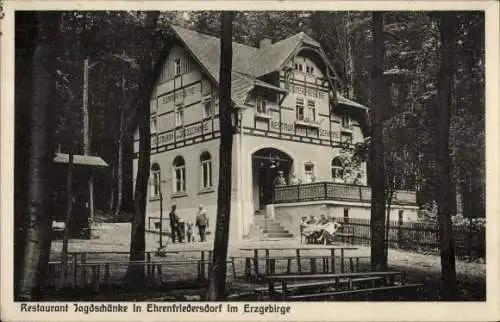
345,234
262,291
363,291
153,268
335,280
317,264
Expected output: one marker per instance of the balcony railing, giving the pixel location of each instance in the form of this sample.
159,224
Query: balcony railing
335,191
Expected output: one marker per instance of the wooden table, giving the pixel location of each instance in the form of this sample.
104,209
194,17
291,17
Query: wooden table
205,255
298,250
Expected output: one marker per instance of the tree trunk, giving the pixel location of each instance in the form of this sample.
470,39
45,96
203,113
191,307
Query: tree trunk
86,140
111,188
350,58
390,194
447,26
26,38
217,274
135,273
67,222
119,170
377,146
38,234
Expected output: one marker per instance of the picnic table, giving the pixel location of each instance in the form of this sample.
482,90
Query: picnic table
298,250
81,258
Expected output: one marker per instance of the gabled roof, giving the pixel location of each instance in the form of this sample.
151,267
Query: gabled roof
206,49
249,62
271,58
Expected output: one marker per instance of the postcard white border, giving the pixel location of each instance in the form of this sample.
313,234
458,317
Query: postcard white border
314,311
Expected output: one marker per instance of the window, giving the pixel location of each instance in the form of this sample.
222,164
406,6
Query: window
206,87
346,215
300,108
153,125
309,69
179,116
309,173
311,110
208,108
288,78
400,217
179,175
346,120
177,66
337,169
261,106
346,138
206,170
298,67
155,171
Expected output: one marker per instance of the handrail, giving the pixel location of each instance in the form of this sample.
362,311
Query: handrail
334,191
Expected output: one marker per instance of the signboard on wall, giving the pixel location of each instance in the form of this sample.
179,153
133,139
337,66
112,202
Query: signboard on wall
292,129
178,95
185,133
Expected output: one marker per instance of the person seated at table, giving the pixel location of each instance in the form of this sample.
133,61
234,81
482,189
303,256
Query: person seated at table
312,220
303,222
322,220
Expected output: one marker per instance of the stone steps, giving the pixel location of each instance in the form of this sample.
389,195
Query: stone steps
271,228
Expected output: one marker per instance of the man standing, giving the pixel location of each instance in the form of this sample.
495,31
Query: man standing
174,225
201,222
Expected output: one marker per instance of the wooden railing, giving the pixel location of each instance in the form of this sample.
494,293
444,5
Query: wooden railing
334,191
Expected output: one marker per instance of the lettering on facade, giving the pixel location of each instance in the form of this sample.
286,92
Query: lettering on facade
310,92
181,134
180,94
287,127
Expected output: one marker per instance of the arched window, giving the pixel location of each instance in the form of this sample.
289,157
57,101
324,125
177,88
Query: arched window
156,175
179,169
206,170
337,169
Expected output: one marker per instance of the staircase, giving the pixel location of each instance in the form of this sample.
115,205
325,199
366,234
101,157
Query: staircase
271,228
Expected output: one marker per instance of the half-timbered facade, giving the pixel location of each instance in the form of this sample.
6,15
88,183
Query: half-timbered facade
288,117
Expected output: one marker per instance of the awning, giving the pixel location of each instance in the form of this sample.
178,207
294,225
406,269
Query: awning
343,100
84,160
269,86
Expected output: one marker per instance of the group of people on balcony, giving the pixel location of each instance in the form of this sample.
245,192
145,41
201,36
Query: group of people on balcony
280,180
318,230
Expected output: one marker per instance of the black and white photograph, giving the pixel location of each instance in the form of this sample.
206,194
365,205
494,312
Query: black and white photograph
262,158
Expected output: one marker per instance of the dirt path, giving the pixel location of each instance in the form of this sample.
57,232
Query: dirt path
420,268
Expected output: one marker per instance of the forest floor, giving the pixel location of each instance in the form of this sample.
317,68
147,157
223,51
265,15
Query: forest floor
419,268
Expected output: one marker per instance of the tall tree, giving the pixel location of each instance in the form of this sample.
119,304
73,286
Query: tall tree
38,234
377,172
444,196
217,274
135,273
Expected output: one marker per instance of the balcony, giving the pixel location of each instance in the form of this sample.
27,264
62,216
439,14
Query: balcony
335,192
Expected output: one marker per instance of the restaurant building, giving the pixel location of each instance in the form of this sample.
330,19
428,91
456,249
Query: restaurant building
288,117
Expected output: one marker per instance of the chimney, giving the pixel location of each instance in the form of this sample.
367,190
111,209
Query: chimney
265,42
